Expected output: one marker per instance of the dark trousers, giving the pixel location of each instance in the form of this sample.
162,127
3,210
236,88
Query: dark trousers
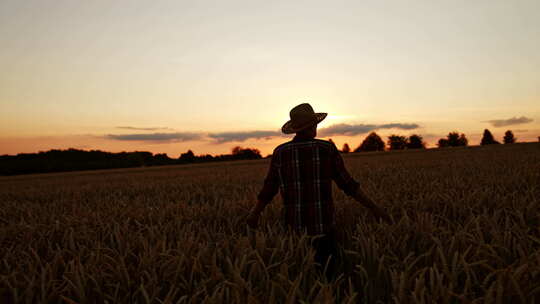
326,248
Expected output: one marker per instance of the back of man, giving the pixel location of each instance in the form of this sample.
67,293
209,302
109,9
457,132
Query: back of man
303,170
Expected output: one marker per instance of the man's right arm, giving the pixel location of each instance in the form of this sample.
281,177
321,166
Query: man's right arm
269,190
271,183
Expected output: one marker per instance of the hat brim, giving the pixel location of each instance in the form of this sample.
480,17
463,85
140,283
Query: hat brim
289,128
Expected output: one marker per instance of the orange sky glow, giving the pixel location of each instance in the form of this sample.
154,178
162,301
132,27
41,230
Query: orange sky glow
168,76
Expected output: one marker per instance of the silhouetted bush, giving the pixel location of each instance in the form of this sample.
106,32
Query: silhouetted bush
509,137
443,143
246,153
453,139
162,159
205,158
462,140
188,157
346,148
487,138
415,142
372,142
397,142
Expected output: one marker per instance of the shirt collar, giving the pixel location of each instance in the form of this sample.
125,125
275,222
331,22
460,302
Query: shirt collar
302,138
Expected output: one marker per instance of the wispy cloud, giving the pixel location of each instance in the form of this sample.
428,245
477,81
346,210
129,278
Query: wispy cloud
224,137
157,137
351,130
510,121
402,126
240,136
142,129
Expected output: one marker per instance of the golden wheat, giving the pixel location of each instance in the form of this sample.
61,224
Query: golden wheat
467,230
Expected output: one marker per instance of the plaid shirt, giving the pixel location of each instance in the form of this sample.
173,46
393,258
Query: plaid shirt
303,169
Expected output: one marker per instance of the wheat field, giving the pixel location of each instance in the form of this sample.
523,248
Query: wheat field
466,230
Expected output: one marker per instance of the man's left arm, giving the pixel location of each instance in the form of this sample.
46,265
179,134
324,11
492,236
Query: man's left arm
346,183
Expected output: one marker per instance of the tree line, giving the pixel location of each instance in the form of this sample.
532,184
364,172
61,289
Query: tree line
373,142
74,160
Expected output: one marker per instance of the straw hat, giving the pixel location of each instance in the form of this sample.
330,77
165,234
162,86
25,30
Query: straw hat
302,117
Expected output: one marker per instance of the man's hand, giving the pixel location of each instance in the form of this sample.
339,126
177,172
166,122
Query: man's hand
381,214
253,217
253,220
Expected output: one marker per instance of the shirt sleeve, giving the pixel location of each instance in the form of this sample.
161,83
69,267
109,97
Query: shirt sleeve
271,182
341,176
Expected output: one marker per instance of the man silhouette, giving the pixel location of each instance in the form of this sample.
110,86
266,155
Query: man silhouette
303,169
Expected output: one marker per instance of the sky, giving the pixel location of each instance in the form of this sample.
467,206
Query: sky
168,76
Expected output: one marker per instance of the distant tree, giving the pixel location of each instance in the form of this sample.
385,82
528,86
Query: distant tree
509,137
161,156
397,142
487,138
443,143
346,148
139,158
161,159
245,153
205,158
463,141
189,156
454,139
372,142
416,142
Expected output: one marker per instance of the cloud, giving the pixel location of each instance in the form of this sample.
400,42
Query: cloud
351,130
403,126
240,136
143,129
510,121
156,137
220,137
224,137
